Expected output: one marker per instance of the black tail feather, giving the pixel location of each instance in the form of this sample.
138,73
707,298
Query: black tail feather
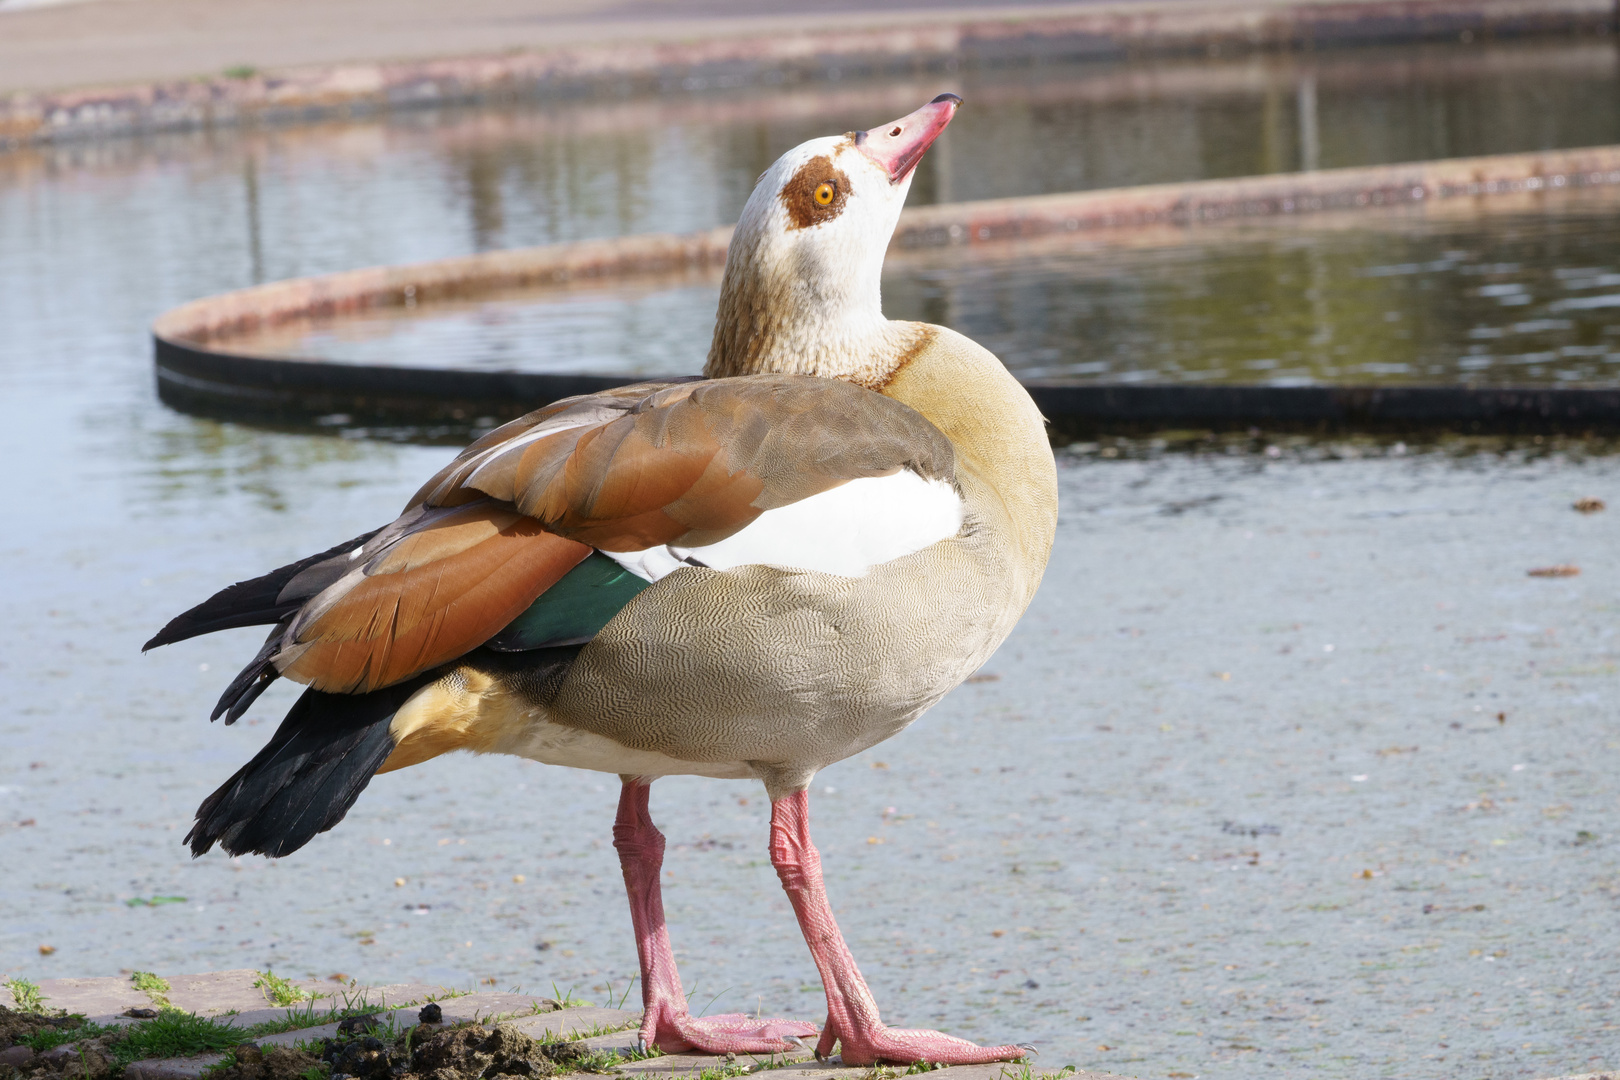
251,681
256,602
306,777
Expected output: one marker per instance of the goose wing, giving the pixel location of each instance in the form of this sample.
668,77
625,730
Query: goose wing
536,534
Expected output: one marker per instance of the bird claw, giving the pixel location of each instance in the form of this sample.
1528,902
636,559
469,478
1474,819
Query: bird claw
1033,1052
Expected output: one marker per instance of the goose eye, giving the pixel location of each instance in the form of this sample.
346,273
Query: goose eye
825,192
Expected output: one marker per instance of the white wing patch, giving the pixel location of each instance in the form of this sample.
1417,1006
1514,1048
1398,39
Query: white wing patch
845,531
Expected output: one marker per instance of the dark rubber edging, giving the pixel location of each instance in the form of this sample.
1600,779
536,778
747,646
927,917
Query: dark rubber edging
1085,410
299,393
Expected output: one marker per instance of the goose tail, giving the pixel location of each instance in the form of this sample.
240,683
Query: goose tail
307,776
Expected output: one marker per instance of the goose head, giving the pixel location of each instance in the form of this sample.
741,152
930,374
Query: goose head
802,288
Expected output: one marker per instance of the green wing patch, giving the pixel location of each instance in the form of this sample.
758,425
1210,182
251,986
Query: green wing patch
574,610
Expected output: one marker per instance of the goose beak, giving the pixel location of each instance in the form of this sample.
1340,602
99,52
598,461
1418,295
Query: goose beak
896,147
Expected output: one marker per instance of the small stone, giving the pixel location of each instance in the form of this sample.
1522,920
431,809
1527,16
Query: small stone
249,1054
18,1057
431,1014
59,1055
356,1024
141,1014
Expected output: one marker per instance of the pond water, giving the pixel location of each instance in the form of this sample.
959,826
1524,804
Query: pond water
1526,296
1072,793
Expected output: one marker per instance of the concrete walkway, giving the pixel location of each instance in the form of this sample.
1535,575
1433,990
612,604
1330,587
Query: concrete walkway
233,995
127,41
188,63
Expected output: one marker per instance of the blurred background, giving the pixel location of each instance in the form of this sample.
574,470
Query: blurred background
124,512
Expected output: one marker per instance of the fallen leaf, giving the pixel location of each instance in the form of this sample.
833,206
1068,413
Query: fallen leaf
1589,505
1561,570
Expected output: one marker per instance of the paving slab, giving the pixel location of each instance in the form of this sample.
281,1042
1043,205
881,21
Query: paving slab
674,1065
571,1024
186,1068
100,1000
217,992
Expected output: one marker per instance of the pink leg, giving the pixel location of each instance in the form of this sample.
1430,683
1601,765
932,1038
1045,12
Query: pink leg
852,1015
665,1022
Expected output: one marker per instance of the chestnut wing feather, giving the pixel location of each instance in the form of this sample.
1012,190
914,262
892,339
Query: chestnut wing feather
451,581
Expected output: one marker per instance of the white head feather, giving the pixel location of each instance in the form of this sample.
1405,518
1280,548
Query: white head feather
803,282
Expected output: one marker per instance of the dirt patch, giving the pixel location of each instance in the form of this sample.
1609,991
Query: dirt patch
274,1063
424,1052
479,1053
33,1045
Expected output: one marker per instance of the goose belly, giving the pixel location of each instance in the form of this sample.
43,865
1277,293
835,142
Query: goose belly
557,744
786,670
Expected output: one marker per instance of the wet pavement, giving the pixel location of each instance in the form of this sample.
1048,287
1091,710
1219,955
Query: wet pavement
1247,684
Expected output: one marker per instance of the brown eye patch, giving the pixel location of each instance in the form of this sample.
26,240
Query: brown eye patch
816,193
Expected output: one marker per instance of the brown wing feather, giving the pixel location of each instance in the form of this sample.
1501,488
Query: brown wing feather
443,589
694,462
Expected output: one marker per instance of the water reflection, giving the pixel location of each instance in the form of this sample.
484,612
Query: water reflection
1523,298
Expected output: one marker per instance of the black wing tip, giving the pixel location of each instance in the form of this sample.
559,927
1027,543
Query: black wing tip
166,636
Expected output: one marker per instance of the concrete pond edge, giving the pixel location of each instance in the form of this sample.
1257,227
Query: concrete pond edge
755,52
202,370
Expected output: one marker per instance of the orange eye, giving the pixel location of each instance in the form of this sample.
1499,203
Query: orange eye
825,192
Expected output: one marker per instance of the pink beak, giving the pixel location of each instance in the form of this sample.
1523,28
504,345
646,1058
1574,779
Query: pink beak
897,147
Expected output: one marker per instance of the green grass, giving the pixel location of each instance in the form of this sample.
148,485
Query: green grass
576,1034
1024,1071
279,991
25,994
565,999
48,1038
154,901
175,1034
240,71
622,997
152,986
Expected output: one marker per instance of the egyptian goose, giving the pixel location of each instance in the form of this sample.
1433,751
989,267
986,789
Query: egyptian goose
749,575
